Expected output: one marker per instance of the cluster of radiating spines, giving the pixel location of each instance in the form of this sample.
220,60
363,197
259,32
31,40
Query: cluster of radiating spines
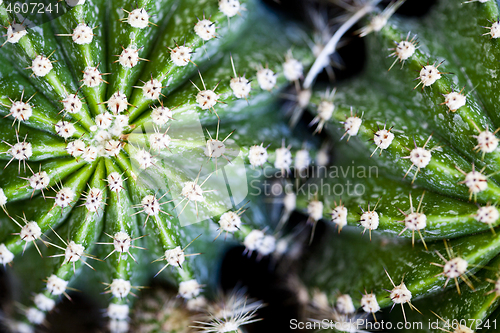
229,312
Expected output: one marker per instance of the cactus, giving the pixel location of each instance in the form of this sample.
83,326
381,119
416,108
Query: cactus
132,133
411,199
127,130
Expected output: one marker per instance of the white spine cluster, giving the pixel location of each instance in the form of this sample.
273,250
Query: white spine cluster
303,98
152,89
41,65
144,158
65,129
72,104
404,50
75,148
369,220
257,155
215,148
230,222
129,57
487,214
82,34
89,154
302,159
118,326
290,201
91,77
400,294
30,232
476,182
117,103
420,157
196,304
266,79
161,115
15,32
175,256
455,267
415,221
138,18
283,159
205,29
352,125
325,110
150,205
494,30
253,239
369,303
5,255
112,147
21,151
454,100
118,311
487,142
56,285
315,210
181,55
3,198
383,138
102,136
122,242
121,121
192,191
115,182
73,252
267,245
344,305
241,87
256,240
35,316
377,22
206,99
229,7
44,303
104,120
120,288
292,69
339,216
189,289
39,180
94,200
21,111
64,197
159,141
428,75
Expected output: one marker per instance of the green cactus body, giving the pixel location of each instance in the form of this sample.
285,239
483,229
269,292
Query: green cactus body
418,139
106,166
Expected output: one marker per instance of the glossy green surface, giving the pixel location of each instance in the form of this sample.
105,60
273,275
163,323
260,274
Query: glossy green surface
179,221
453,36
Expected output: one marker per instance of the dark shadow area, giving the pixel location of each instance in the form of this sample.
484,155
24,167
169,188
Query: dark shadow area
262,283
81,314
